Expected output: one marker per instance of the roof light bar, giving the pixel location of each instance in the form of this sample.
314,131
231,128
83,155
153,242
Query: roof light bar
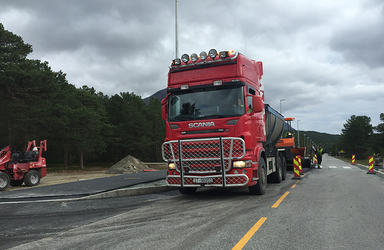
201,58
212,53
223,54
176,61
185,58
194,57
203,55
231,52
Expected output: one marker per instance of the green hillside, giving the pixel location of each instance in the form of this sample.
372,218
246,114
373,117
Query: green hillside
328,141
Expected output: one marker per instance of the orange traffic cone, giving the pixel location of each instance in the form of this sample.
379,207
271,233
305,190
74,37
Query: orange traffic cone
296,168
353,159
370,165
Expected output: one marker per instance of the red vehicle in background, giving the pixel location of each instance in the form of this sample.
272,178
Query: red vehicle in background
219,132
28,168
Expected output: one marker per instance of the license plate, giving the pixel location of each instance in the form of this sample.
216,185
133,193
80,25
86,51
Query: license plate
203,180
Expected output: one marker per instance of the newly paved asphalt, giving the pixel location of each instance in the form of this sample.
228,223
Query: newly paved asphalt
83,188
337,207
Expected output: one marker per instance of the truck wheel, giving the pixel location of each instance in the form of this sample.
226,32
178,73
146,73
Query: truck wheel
16,183
32,178
261,184
4,181
277,176
284,165
187,190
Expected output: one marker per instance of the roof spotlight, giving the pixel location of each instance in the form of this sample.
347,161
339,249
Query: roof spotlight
185,58
223,54
212,53
231,52
203,55
194,57
176,61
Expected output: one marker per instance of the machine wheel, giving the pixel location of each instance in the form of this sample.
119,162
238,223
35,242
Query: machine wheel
4,181
32,178
261,184
16,183
187,190
284,165
277,176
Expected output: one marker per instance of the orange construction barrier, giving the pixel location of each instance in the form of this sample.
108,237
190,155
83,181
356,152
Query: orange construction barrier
371,163
296,168
315,160
353,159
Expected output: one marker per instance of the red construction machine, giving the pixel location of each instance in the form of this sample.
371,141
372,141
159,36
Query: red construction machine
17,168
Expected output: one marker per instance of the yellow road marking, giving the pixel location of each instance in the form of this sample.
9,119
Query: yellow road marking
293,186
249,234
277,203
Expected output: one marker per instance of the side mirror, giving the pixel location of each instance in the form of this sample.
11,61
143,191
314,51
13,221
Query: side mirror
258,104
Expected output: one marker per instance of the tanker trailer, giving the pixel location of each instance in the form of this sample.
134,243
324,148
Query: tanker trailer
275,157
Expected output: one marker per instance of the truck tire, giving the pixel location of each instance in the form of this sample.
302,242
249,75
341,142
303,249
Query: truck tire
277,176
16,183
284,161
261,184
32,178
187,190
4,181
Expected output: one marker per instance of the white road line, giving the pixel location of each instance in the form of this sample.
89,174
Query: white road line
332,167
346,167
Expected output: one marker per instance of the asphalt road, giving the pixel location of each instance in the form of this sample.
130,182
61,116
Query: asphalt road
337,207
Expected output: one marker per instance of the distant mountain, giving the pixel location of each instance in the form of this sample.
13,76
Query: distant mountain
159,95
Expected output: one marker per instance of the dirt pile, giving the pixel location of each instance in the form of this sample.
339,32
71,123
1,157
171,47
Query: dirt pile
128,164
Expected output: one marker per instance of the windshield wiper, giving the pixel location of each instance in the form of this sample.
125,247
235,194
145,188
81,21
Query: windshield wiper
213,116
179,119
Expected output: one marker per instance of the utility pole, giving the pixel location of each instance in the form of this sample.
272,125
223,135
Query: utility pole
176,31
281,100
298,133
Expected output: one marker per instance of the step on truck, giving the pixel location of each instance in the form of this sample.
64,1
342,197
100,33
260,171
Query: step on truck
219,132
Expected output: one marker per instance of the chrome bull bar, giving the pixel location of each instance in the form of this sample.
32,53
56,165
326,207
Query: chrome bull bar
203,156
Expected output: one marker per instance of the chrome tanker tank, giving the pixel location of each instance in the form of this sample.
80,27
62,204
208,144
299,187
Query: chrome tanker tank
274,126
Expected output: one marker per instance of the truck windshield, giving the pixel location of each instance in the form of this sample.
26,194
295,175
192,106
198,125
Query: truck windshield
206,104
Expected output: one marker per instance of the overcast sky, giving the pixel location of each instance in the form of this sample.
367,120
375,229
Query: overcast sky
325,58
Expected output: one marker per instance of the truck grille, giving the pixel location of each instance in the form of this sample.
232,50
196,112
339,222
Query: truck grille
203,156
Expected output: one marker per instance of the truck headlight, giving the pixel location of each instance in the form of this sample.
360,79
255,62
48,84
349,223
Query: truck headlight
242,164
171,166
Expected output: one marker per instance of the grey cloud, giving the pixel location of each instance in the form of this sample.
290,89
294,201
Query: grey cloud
114,29
361,42
309,48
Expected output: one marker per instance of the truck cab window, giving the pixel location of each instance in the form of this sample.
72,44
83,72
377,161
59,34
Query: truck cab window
250,103
207,104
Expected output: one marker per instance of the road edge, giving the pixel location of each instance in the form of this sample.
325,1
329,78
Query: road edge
128,192
363,167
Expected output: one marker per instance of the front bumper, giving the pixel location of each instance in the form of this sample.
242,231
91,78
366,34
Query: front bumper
231,180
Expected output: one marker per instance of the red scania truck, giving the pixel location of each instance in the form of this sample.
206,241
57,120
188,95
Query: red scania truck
219,132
